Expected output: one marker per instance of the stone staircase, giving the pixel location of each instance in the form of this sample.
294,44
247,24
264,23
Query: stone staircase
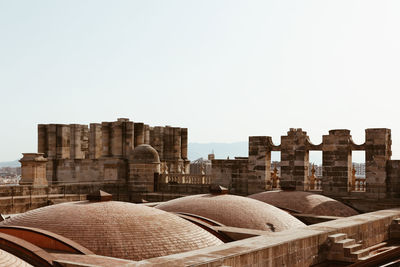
345,249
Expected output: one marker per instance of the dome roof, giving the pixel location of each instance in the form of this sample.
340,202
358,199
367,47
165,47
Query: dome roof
305,202
118,229
144,154
9,260
234,211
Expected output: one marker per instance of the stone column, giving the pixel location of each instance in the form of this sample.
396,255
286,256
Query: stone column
378,151
78,144
146,134
95,142
157,140
168,143
51,141
139,133
337,162
33,169
294,160
176,143
63,141
259,163
128,138
42,139
116,139
106,138
184,143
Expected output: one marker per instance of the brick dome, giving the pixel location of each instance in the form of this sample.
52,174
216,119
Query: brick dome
144,154
118,229
305,202
9,260
234,211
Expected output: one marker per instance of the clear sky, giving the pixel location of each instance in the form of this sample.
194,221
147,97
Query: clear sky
224,69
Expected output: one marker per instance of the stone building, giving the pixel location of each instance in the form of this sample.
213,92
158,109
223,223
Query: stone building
103,151
252,174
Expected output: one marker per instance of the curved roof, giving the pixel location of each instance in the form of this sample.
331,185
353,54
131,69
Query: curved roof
305,202
144,154
9,260
118,229
234,211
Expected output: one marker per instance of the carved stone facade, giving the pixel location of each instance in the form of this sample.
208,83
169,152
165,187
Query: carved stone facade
79,153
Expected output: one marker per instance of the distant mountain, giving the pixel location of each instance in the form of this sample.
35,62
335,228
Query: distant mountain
13,164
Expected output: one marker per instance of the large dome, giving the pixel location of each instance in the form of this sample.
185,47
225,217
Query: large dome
305,202
9,260
234,211
118,229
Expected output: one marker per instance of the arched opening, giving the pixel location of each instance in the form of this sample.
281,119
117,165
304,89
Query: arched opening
315,170
357,182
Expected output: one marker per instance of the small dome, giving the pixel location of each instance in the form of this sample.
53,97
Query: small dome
305,202
144,154
234,211
118,229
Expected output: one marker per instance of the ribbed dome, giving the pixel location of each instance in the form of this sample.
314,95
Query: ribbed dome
234,211
118,229
9,260
305,202
144,154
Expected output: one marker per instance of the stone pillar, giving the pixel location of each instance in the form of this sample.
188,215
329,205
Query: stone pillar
378,151
106,139
95,142
176,143
139,133
33,169
63,141
51,141
79,141
157,140
294,160
259,163
128,138
168,143
116,139
184,143
336,162
146,134
42,139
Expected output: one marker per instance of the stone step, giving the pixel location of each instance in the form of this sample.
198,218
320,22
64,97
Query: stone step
337,237
352,248
345,242
360,254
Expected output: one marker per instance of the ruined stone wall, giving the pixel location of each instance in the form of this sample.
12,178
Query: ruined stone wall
233,174
76,152
382,174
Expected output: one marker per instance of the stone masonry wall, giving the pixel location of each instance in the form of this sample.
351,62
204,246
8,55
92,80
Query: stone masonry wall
78,153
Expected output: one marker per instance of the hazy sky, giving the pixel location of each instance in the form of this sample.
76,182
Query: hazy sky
224,69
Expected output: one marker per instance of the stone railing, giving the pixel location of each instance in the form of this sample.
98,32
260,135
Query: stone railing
316,184
360,185
178,178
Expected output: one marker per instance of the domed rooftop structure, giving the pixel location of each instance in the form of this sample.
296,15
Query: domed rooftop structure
234,211
118,229
305,202
9,260
144,154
